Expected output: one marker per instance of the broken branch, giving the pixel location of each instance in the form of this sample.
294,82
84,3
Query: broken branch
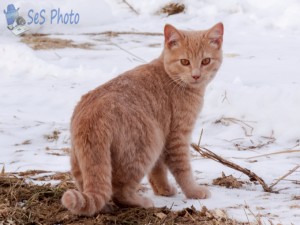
253,177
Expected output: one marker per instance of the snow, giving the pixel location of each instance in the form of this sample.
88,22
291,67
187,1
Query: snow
255,95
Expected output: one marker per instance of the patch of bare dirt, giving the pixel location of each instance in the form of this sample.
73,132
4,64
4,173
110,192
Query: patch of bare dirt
44,42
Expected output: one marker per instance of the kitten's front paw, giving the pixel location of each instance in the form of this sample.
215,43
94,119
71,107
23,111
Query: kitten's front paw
168,191
198,192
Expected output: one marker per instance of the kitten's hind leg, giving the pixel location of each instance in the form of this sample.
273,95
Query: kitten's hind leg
95,167
158,179
76,173
126,195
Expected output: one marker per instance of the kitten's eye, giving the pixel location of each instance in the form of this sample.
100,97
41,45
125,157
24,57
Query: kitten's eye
185,62
205,61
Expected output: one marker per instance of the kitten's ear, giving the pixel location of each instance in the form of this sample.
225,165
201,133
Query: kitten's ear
215,34
172,36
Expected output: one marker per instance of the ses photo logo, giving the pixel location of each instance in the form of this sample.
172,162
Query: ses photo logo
18,24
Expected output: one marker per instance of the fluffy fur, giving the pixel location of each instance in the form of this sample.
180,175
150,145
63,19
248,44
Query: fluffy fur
140,124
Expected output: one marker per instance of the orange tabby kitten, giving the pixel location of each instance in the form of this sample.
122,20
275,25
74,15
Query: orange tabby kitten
140,124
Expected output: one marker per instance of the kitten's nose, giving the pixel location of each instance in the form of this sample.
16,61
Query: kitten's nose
196,77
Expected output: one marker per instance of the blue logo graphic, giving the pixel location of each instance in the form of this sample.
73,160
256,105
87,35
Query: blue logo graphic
18,25
15,23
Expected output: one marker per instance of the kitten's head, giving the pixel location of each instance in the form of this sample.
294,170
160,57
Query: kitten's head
193,57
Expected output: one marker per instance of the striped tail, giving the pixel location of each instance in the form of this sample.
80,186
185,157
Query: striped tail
94,172
83,203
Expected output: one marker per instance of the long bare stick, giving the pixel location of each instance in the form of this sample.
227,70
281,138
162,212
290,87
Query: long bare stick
209,154
273,153
284,176
130,6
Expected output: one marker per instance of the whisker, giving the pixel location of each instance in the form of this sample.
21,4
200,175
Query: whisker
174,82
183,87
178,83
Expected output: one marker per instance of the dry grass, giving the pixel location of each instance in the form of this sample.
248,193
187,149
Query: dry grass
26,142
58,151
54,136
228,181
118,33
42,175
172,8
239,143
43,42
25,203
226,121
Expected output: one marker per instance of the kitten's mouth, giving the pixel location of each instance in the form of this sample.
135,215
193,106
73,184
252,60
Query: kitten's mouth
195,79
195,82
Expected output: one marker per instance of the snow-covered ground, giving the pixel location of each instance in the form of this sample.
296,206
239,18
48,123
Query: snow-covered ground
251,108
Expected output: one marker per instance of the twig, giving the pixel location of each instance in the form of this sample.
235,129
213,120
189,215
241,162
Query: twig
246,215
199,142
139,58
284,176
209,154
3,170
273,153
225,97
256,217
130,6
246,127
